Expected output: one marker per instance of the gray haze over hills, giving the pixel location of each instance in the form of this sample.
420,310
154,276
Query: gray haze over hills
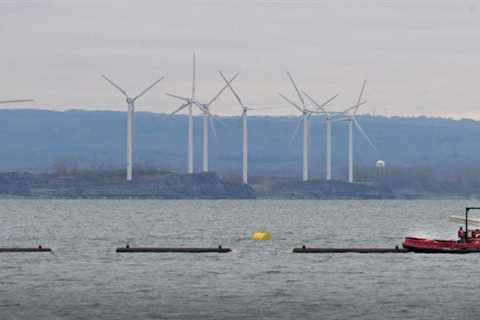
36,140
420,57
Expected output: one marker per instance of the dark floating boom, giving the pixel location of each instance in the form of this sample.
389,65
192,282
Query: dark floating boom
18,249
129,249
349,250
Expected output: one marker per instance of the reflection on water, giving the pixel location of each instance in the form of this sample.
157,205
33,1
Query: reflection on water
84,278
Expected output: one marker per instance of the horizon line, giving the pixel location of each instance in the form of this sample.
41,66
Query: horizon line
373,115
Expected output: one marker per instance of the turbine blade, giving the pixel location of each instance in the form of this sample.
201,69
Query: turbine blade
323,105
296,89
364,134
221,91
183,106
115,85
269,108
339,119
296,131
309,131
211,115
217,118
201,107
177,97
148,88
210,119
361,93
194,76
320,106
231,89
355,107
16,100
291,102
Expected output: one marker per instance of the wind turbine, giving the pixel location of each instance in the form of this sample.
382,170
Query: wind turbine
306,114
205,109
130,113
350,117
245,110
330,116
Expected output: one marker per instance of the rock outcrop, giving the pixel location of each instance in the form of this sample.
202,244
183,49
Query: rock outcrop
112,185
320,189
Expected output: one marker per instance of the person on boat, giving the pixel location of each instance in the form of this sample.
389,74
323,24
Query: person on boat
476,233
461,235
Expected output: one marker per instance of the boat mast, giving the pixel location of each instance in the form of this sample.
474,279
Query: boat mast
466,224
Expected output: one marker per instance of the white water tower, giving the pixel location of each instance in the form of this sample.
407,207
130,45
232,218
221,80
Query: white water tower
380,168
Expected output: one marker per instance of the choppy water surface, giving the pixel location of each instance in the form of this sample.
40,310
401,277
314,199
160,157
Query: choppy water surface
85,279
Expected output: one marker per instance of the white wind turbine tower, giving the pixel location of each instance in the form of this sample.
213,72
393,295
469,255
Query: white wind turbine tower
130,113
350,117
205,109
306,114
330,116
245,110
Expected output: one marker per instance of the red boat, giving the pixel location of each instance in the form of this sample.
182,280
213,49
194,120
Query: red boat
441,246
470,244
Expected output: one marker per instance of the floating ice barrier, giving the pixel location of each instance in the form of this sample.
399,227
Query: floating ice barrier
128,249
19,249
349,250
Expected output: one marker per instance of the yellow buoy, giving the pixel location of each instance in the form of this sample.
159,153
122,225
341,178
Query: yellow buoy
261,235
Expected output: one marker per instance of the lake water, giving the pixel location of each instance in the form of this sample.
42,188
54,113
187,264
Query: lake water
85,279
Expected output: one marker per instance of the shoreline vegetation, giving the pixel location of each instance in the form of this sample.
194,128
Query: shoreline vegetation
158,184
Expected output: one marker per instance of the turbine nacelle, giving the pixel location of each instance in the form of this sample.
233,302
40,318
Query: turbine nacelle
246,109
308,113
202,106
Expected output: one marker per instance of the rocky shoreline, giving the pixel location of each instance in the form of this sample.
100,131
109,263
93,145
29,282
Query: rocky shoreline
112,185
167,185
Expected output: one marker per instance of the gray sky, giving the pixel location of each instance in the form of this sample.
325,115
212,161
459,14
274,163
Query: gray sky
419,56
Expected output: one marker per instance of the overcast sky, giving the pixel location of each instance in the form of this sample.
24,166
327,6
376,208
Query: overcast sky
420,57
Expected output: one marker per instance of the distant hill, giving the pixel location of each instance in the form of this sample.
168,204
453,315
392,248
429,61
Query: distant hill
36,140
